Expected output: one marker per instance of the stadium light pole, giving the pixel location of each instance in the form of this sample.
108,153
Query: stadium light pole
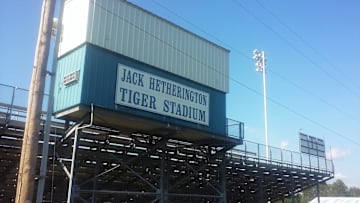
260,63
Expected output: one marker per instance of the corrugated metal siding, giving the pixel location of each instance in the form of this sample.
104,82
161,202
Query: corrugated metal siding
68,96
97,82
99,78
126,29
75,23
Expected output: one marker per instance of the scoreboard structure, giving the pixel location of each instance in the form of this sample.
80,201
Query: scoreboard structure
312,145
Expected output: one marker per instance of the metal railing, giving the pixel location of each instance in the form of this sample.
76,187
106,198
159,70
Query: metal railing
234,129
257,152
13,103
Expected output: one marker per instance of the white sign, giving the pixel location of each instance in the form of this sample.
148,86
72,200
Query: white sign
148,92
71,78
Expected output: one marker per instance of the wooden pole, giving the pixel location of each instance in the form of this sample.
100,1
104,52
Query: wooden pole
29,151
47,128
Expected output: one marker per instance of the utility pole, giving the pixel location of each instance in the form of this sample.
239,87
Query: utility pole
49,112
29,151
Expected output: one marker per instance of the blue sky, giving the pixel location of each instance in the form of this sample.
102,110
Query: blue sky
313,63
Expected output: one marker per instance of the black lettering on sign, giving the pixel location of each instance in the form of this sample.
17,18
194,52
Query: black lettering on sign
137,98
132,77
184,111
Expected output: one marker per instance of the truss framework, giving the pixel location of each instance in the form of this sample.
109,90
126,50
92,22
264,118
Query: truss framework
100,164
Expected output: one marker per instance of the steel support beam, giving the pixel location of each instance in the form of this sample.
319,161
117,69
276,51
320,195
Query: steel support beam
163,197
318,192
181,180
116,192
193,195
261,192
93,196
159,144
223,181
70,197
124,164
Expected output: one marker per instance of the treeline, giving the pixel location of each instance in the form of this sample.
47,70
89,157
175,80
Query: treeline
335,189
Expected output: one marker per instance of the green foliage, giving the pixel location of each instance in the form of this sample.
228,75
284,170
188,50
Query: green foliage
354,192
336,189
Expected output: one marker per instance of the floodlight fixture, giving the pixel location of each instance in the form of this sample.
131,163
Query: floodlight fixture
259,57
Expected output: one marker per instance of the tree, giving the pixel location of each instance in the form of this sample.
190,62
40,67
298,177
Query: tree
354,192
338,189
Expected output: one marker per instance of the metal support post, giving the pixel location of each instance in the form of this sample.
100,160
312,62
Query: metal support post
261,193
223,195
9,111
292,194
163,181
45,150
29,151
93,195
318,192
73,157
258,152
318,163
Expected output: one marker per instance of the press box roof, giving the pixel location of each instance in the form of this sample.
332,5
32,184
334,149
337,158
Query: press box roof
129,30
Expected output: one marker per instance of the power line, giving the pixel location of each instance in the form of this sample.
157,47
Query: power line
312,94
280,76
304,41
98,5
301,53
318,53
314,122
249,58
202,30
296,113
229,77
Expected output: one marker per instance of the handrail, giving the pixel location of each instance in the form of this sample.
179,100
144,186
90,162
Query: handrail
256,151
17,98
234,129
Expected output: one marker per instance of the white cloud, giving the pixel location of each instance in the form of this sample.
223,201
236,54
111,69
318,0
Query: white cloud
284,144
251,130
340,175
336,153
